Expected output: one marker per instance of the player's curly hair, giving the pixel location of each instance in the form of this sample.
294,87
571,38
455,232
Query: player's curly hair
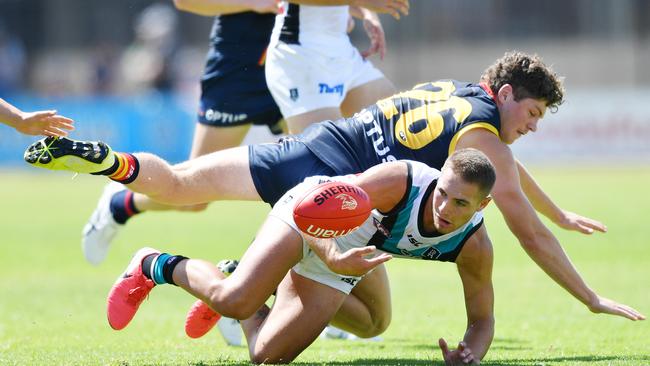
529,77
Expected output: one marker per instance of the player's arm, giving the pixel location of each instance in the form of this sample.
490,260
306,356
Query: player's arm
544,205
374,30
538,242
217,7
47,123
475,269
385,185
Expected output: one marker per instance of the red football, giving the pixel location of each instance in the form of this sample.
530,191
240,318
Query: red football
331,209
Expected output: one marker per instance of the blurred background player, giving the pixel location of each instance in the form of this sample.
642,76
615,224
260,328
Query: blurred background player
233,97
313,70
47,123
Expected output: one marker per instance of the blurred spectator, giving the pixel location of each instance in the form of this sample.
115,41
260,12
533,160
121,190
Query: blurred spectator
104,56
147,63
12,62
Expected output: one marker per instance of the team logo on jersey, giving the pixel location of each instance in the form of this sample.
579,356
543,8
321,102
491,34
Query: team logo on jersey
326,89
431,253
293,94
381,228
347,202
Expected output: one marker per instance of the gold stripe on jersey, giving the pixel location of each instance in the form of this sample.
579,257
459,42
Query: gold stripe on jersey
462,131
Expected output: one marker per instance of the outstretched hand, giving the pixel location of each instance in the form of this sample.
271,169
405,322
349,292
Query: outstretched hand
460,356
47,123
396,8
573,221
607,306
354,262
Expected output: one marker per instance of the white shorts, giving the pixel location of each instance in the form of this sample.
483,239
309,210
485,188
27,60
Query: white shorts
311,266
303,79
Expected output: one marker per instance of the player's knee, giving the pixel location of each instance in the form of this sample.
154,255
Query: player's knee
266,355
230,301
378,326
195,208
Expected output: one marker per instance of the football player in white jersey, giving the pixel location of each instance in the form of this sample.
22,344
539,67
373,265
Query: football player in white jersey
440,210
314,72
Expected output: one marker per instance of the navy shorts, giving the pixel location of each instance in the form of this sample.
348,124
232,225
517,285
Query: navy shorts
237,98
278,167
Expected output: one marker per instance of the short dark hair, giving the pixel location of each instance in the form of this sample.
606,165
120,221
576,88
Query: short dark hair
529,77
473,167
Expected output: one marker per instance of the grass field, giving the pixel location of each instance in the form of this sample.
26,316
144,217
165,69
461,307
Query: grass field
52,304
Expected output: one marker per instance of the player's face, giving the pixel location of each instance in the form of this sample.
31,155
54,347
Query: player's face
455,202
518,117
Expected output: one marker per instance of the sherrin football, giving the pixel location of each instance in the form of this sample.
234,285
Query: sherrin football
331,209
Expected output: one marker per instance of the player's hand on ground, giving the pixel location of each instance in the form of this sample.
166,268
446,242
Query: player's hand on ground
607,306
375,32
396,8
585,225
354,262
47,123
460,356
266,6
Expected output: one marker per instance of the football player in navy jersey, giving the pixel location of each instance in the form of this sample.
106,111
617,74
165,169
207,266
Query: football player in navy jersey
424,124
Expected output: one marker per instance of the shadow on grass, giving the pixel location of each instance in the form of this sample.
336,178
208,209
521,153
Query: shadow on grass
438,362
567,359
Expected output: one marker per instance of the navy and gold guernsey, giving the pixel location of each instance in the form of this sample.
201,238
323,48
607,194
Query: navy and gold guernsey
422,124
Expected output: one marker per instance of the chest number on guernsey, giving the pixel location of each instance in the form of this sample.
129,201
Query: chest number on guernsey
417,127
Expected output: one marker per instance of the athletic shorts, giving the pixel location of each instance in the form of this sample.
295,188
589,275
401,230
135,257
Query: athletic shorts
304,79
310,266
278,167
238,98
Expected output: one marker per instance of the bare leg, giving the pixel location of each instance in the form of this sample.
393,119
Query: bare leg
277,248
301,310
366,312
365,95
299,122
222,175
207,139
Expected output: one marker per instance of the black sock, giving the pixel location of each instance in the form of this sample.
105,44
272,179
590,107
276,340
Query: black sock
160,267
122,206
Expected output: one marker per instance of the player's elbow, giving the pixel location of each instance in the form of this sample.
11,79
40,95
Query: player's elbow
531,239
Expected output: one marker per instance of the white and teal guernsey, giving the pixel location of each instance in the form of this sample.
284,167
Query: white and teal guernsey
401,231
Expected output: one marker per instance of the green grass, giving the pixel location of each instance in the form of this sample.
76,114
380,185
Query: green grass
52,304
